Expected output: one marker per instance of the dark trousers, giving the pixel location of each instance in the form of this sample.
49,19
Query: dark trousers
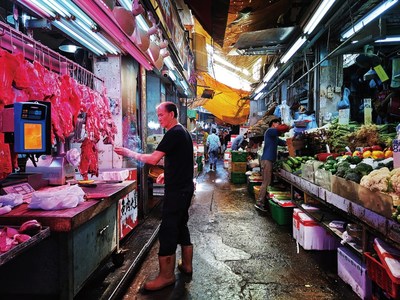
175,215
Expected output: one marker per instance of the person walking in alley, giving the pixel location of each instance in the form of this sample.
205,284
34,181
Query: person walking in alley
177,148
213,145
271,142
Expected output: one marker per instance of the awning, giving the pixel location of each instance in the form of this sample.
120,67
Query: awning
227,104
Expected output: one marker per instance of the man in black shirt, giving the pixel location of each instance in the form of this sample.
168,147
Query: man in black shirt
177,148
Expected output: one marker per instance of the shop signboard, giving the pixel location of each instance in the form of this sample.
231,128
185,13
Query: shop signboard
367,111
128,213
344,116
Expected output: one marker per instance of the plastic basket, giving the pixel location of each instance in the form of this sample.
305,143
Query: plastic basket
238,178
239,156
378,273
281,215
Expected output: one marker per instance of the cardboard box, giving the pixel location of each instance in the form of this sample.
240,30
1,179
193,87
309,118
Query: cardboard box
345,188
353,271
376,201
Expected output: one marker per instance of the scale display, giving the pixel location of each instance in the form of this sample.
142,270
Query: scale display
23,189
30,127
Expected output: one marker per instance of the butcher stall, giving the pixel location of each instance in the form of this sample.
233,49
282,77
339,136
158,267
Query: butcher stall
73,245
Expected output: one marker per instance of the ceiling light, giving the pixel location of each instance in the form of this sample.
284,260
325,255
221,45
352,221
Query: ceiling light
68,46
296,46
381,8
318,15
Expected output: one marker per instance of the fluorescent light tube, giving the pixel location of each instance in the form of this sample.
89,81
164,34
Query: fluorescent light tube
318,15
77,37
59,10
184,84
142,22
271,72
96,36
172,75
377,11
127,4
78,13
260,87
389,39
296,46
258,96
168,62
44,8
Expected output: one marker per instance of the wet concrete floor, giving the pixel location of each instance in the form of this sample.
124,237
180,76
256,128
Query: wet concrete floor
241,253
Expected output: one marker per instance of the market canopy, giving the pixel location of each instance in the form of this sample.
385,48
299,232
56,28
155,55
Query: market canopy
227,104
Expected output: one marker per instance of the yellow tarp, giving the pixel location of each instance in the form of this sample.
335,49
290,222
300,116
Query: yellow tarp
228,104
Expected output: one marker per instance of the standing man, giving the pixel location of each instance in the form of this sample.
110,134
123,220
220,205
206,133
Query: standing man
177,147
271,142
213,145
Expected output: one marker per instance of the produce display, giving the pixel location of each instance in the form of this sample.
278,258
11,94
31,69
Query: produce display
361,154
341,138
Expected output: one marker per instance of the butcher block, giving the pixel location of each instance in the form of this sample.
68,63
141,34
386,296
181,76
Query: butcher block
80,241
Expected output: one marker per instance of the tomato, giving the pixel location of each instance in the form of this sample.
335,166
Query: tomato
376,148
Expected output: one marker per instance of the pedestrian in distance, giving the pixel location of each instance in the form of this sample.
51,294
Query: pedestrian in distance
177,149
271,142
239,141
213,145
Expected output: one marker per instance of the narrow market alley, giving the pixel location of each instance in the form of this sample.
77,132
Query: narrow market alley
241,253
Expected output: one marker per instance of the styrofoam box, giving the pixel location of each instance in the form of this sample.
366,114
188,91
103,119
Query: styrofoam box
312,236
227,155
296,223
353,271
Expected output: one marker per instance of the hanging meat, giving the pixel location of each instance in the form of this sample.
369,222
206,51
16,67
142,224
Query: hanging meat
21,77
5,158
89,159
8,69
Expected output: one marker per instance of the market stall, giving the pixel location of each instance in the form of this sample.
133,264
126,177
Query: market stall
81,238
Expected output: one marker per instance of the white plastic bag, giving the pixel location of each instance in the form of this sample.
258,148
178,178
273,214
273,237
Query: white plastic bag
68,197
12,199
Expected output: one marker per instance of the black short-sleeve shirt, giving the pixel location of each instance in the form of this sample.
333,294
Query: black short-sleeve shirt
177,145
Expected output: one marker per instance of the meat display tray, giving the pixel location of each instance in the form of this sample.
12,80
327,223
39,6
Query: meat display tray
20,248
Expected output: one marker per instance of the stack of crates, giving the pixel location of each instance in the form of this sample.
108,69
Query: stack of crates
238,166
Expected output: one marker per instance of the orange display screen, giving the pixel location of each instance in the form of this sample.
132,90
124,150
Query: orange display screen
33,136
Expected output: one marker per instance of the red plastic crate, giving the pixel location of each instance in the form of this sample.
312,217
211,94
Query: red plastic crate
378,273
